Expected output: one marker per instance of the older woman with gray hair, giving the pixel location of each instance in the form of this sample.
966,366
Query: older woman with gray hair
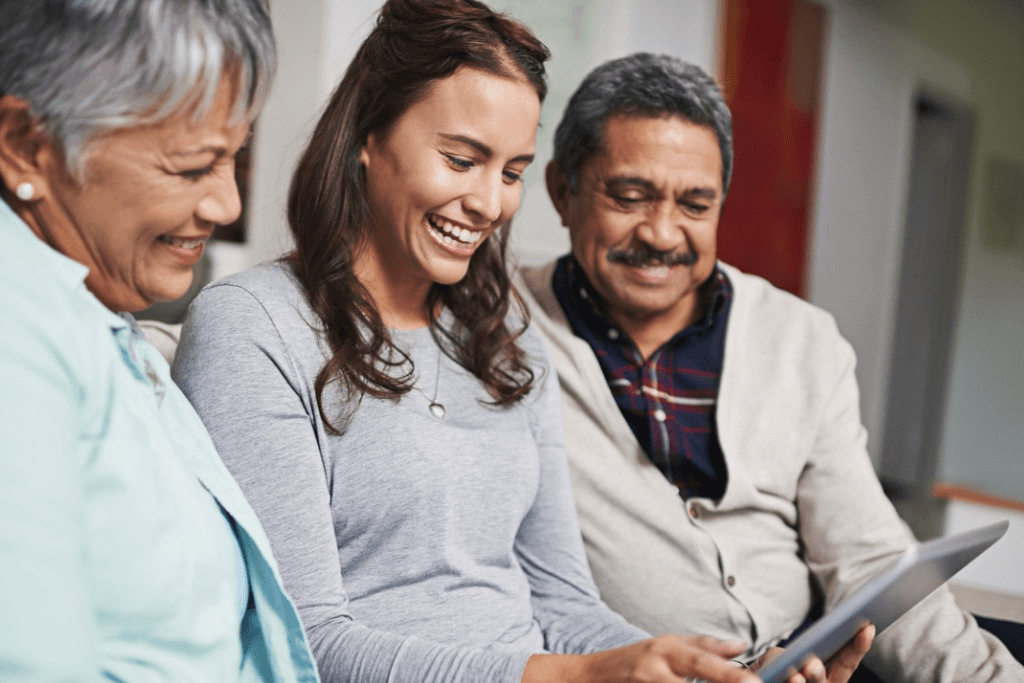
127,552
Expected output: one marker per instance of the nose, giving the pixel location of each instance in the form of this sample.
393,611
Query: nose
222,204
484,199
663,227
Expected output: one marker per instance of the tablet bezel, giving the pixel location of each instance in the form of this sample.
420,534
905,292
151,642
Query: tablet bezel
886,597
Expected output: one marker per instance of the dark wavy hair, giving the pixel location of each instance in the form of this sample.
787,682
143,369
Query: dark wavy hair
414,44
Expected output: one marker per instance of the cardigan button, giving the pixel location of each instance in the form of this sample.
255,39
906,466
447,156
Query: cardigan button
730,581
695,512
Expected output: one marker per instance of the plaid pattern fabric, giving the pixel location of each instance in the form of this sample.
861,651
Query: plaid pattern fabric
669,399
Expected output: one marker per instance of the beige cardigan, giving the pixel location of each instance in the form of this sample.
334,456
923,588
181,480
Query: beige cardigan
803,511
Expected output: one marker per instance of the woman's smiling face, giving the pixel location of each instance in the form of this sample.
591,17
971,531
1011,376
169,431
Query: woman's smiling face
148,202
446,176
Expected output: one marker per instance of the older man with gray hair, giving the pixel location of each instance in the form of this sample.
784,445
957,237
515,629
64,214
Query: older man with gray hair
712,421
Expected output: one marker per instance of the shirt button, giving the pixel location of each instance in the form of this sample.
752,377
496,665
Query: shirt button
695,512
583,293
659,415
613,334
730,581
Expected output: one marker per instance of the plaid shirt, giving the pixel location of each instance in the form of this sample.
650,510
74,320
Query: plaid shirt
669,399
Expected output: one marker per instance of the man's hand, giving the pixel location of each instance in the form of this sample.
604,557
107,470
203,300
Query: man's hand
839,668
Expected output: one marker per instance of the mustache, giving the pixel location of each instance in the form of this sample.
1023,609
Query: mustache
646,256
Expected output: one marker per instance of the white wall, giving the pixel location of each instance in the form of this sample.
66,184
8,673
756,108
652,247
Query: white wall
998,568
315,40
872,75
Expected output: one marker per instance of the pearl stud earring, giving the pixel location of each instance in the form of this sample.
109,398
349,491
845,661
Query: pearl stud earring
25,192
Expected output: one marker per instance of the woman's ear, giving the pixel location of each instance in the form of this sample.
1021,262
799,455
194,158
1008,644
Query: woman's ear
22,147
364,152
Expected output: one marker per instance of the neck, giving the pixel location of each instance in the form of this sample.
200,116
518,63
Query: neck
400,301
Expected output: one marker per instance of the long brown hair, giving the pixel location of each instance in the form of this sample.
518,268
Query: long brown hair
414,44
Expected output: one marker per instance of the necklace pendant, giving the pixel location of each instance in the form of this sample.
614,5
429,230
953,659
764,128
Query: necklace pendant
437,410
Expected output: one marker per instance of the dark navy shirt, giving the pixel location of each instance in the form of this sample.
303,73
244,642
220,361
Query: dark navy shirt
669,399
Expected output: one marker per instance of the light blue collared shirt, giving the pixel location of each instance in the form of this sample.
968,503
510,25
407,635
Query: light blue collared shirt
120,528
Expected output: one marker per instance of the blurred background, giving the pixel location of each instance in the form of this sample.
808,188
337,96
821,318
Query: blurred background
879,174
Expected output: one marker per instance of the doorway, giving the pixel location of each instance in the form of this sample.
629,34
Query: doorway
926,307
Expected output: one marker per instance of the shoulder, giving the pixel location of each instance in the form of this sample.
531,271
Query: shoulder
270,284
49,317
266,292
763,302
246,317
768,322
535,285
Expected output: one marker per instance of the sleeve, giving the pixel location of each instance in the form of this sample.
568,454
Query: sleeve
851,531
566,602
235,367
46,628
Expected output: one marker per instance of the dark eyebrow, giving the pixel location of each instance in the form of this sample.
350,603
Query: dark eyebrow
620,182
482,148
708,193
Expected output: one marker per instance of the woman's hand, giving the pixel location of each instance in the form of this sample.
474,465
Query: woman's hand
839,668
666,659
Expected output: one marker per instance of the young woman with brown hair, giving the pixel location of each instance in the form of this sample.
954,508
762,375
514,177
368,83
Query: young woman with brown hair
380,397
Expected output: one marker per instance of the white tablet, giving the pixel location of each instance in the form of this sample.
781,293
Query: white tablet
881,601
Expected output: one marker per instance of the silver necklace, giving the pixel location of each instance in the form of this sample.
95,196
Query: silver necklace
436,409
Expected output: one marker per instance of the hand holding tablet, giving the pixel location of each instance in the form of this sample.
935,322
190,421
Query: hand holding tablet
885,598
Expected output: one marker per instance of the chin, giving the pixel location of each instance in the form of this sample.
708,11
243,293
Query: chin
168,289
449,274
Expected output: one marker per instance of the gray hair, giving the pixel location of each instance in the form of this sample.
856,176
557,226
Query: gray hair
90,66
641,84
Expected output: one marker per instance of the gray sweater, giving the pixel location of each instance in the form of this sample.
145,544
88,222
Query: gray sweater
416,549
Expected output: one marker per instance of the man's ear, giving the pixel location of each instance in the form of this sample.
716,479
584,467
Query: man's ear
558,188
22,145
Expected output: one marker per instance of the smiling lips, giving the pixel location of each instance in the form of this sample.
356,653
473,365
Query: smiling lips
458,239
186,250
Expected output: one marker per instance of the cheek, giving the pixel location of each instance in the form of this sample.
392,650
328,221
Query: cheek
511,201
707,240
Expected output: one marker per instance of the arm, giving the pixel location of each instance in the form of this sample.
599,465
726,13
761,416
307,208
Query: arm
236,369
46,629
566,602
851,531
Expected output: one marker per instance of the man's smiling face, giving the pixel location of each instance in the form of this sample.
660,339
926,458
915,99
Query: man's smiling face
644,217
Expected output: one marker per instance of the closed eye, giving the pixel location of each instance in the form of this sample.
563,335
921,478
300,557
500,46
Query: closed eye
458,162
513,176
696,208
196,173
628,201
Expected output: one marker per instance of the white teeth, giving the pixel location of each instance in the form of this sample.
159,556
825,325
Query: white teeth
453,234
181,242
